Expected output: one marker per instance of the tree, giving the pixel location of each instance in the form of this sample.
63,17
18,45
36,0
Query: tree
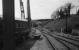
63,11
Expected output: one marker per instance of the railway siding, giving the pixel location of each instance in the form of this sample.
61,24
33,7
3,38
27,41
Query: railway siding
56,44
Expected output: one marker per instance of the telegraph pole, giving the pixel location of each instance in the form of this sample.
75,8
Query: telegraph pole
67,15
29,14
8,25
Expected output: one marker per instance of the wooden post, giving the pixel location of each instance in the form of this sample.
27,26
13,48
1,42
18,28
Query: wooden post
8,25
61,30
29,15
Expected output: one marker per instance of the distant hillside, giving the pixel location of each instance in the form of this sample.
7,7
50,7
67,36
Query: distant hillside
42,22
72,22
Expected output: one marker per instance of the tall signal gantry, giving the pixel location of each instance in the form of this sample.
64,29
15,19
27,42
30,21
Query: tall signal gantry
22,10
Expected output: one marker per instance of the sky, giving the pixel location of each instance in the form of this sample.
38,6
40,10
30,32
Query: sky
40,9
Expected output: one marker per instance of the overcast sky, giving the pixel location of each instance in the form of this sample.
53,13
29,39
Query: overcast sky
40,9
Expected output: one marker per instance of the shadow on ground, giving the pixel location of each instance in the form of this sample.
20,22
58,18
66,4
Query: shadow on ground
26,45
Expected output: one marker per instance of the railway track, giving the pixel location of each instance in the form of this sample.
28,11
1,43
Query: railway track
68,38
51,44
69,44
65,47
75,43
63,36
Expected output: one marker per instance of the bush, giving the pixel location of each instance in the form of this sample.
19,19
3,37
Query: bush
75,34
